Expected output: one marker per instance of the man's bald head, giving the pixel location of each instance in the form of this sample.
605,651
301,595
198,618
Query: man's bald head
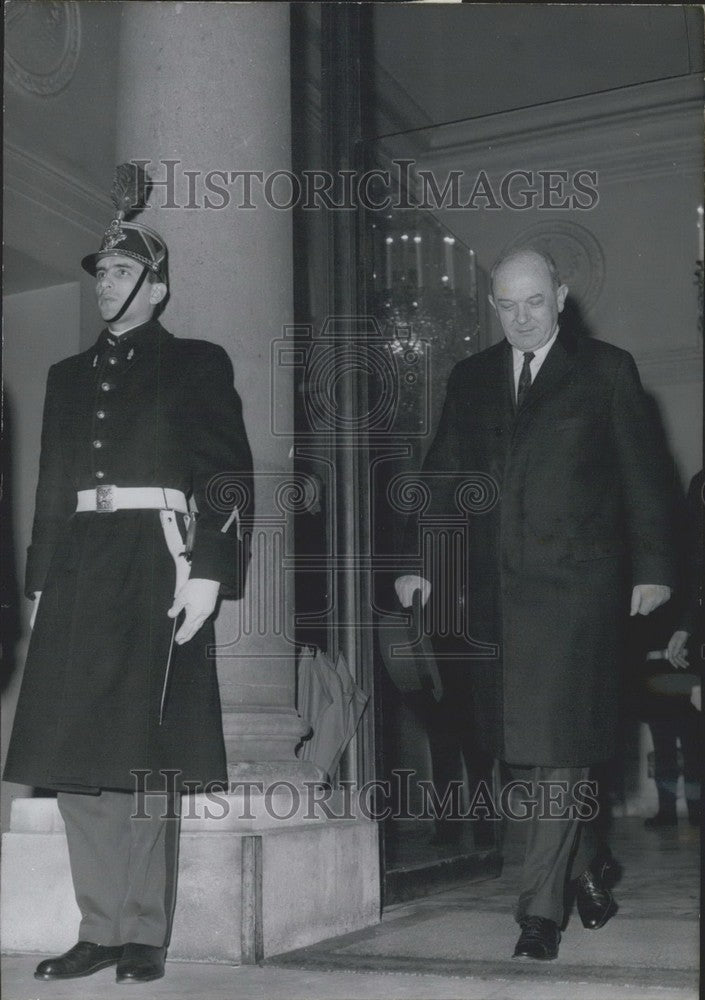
527,252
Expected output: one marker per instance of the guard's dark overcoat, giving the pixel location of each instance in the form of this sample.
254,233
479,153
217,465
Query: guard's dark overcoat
145,409
571,507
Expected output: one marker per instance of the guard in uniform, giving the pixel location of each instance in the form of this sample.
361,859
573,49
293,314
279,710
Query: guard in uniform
120,694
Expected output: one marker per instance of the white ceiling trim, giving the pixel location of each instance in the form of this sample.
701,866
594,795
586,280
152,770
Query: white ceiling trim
54,189
587,133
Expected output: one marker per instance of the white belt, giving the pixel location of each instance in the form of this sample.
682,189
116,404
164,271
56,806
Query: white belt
110,498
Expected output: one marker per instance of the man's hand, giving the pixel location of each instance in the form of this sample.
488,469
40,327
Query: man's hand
405,587
35,608
197,598
646,597
676,651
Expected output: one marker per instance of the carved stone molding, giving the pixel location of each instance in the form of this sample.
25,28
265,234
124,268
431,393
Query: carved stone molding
42,45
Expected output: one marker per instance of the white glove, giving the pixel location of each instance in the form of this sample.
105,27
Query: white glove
197,598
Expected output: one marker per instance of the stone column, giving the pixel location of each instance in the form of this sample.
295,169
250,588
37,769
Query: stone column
207,85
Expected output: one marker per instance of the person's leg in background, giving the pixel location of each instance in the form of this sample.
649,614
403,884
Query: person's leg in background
692,748
664,732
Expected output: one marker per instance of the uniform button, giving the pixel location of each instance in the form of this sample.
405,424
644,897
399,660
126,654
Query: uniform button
97,444
99,474
112,361
105,386
100,414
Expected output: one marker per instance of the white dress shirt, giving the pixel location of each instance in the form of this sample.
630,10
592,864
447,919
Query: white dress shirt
535,363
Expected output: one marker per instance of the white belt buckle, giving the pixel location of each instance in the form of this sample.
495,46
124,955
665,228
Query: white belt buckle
105,499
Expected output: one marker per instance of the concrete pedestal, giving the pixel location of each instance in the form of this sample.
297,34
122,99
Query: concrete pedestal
319,878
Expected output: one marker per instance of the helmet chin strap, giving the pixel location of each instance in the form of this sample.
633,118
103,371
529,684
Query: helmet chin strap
126,304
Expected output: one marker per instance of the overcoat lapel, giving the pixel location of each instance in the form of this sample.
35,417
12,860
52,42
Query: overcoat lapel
559,361
508,394
498,392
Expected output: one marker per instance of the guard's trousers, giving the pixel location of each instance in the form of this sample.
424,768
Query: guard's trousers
557,849
123,849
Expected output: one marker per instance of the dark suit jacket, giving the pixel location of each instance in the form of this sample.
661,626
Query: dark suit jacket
563,506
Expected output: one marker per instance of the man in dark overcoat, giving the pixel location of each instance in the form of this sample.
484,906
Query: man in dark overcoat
576,534
120,693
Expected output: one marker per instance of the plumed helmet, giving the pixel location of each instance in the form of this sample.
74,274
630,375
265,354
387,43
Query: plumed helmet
129,194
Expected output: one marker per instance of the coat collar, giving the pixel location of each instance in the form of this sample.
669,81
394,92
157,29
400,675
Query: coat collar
140,341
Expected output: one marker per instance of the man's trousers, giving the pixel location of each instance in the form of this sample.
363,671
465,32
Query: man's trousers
123,850
557,850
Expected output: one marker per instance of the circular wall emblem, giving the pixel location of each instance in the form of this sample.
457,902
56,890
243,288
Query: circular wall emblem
42,44
577,253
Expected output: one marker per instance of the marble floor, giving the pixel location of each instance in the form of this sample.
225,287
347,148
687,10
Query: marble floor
652,942
457,944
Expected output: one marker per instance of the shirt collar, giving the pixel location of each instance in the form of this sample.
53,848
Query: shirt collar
539,353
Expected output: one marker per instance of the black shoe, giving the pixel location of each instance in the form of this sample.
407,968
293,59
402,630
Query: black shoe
539,939
83,959
595,902
661,819
140,963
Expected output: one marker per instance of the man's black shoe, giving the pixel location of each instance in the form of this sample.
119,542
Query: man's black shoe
83,959
539,939
140,963
595,902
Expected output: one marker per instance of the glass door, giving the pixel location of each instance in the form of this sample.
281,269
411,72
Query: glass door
424,293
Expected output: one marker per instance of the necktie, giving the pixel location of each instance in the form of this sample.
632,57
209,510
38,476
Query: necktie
524,379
